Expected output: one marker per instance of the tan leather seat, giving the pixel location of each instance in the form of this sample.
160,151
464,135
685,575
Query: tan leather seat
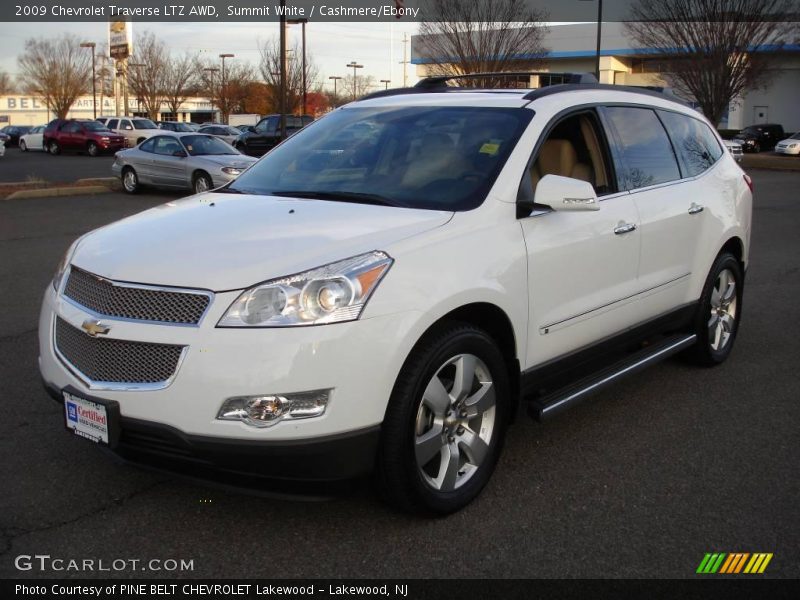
558,157
435,159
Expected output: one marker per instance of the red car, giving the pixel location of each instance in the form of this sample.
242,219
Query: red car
80,135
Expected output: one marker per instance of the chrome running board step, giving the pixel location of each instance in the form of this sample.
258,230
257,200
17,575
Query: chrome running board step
550,405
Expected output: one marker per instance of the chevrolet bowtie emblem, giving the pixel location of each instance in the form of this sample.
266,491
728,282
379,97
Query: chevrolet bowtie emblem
95,328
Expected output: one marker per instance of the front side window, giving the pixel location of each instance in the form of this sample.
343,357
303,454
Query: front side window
167,146
439,158
696,146
645,151
147,145
112,123
125,124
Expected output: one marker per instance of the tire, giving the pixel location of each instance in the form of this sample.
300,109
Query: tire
719,314
53,148
757,148
201,182
92,149
23,146
436,453
130,180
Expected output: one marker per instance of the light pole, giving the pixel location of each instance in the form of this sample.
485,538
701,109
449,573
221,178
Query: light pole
92,45
387,82
599,36
225,85
211,70
282,104
335,95
305,95
353,65
138,85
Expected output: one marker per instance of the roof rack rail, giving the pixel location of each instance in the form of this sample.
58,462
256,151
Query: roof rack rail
439,81
664,94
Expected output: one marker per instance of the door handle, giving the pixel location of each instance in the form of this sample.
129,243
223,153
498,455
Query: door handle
695,208
624,228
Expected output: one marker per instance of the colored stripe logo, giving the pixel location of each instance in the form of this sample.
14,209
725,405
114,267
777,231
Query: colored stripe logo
734,563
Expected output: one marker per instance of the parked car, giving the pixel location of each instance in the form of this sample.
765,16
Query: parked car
224,132
389,304
13,133
180,160
735,148
80,135
134,129
790,145
759,137
33,140
267,134
175,126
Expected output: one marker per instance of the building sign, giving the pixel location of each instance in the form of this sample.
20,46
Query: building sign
119,39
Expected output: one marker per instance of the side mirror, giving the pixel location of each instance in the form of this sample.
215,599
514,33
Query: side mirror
179,153
566,194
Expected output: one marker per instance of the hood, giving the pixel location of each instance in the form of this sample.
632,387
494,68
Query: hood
227,241
229,160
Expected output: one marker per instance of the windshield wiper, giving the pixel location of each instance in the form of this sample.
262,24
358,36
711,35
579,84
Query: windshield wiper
357,197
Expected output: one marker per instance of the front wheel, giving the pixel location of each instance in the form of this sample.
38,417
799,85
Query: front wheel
202,183
23,146
719,313
92,149
445,423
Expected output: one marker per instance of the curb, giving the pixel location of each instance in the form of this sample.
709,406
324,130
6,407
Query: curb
59,191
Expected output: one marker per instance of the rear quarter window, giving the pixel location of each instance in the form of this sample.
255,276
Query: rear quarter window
697,147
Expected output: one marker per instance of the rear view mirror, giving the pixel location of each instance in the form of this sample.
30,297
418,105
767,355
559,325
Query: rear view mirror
566,194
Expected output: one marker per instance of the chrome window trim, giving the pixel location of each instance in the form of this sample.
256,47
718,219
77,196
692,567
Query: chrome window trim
112,385
139,286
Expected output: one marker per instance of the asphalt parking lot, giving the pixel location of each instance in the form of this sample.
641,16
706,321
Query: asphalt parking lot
639,482
19,166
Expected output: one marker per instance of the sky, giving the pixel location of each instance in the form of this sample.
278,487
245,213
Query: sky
332,45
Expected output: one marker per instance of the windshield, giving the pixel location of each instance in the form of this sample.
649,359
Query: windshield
144,124
795,136
94,126
202,145
440,158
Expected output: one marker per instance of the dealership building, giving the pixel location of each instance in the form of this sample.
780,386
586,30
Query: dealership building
21,109
572,48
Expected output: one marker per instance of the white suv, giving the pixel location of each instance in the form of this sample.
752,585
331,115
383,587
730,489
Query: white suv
382,290
135,130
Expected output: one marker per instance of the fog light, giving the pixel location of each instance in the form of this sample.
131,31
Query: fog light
263,411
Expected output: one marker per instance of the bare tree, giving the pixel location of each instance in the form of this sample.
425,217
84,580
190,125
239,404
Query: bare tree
270,68
57,70
708,45
363,85
230,95
179,81
6,85
147,81
475,36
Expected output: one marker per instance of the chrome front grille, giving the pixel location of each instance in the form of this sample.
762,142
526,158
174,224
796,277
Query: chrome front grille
103,360
143,303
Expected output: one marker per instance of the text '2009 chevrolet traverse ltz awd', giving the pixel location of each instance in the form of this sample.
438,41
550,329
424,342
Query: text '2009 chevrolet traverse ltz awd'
382,290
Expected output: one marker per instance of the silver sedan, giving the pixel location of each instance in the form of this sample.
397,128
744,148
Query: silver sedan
180,160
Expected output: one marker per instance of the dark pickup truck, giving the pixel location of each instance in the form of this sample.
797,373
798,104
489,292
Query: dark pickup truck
267,133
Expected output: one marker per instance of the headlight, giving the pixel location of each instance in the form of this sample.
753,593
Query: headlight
64,263
330,294
792,145
232,170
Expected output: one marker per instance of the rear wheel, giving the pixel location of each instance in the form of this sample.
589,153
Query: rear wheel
130,180
53,148
719,313
92,149
445,424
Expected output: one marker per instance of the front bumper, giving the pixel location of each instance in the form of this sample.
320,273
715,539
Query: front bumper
789,151
359,361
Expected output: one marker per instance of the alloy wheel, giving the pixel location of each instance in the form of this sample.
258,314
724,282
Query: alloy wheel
723,310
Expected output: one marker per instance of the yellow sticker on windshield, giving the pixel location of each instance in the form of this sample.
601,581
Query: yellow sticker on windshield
489,148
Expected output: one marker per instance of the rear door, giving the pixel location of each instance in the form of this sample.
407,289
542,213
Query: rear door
671,214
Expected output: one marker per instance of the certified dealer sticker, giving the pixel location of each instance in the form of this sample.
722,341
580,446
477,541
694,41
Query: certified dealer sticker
86,418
